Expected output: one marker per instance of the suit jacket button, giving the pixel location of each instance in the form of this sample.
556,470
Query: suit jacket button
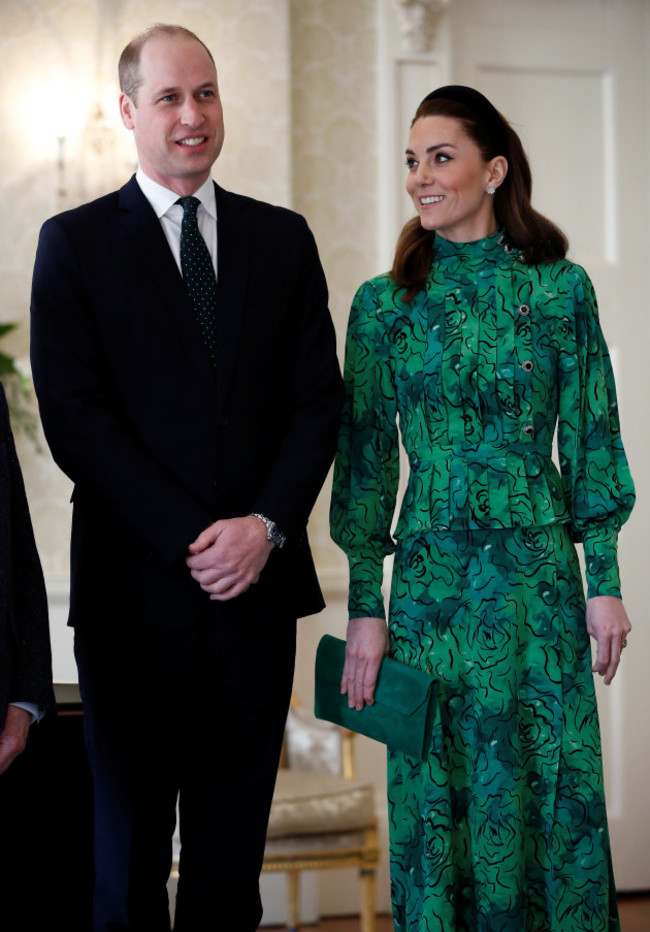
223,421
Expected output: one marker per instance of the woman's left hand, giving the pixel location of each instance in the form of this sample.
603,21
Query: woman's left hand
367,644
608,624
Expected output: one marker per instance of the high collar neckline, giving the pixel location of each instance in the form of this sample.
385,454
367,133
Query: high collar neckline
495,246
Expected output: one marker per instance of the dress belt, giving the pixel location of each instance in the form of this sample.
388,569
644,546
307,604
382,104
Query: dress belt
482,453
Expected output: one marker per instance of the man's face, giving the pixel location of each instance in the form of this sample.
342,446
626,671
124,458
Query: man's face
178,120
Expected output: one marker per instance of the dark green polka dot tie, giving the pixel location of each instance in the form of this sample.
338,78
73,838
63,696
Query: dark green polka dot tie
198,274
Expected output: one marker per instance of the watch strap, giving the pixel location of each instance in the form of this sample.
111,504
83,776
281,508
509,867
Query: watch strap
273,532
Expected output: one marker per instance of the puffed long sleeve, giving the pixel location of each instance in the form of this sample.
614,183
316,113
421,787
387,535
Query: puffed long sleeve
366,469
595,473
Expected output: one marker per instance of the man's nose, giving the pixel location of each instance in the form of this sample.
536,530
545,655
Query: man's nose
191,113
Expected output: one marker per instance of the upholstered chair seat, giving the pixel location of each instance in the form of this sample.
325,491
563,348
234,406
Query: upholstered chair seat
321,817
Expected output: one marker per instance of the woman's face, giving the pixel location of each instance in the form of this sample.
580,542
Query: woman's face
448,180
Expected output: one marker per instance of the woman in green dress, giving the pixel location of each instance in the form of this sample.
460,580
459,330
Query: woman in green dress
480,341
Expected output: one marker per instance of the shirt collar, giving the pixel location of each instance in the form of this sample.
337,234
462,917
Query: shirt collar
161,198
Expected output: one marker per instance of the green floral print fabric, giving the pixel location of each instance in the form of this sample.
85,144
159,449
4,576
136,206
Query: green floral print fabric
503,828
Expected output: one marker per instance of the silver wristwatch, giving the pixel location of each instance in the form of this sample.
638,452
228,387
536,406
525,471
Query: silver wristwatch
273,532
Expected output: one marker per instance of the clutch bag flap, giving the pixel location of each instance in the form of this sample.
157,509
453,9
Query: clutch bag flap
404,707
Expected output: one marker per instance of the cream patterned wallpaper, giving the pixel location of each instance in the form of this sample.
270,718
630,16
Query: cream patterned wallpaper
297,80
334,152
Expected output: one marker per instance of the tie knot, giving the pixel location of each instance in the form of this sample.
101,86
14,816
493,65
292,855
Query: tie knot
190,205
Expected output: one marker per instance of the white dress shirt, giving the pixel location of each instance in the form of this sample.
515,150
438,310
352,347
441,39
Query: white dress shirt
170,214
31,707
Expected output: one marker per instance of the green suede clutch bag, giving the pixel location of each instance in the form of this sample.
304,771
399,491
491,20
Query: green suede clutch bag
404,708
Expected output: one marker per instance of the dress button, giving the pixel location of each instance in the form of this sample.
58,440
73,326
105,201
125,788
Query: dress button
524,310
527,365
529,430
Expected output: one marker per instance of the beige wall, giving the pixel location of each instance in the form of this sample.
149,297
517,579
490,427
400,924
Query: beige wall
335,166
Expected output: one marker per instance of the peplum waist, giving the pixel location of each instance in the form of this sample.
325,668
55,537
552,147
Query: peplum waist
490,486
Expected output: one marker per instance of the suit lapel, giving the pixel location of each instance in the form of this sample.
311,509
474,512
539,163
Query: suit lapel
234,230
170,301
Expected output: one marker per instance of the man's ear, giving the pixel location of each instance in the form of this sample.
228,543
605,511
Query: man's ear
127,111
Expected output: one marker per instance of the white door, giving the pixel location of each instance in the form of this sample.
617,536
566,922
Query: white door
571,75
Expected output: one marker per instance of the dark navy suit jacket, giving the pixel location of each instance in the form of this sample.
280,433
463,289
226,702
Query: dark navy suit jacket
157,445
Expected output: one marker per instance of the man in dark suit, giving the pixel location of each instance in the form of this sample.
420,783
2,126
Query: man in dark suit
26,696
25,657
197,443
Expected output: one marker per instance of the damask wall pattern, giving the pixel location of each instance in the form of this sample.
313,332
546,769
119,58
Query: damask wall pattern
335,165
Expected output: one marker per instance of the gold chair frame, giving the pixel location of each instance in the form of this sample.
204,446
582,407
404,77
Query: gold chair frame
364,856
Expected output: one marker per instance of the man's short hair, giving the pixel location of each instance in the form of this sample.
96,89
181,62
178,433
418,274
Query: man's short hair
129,64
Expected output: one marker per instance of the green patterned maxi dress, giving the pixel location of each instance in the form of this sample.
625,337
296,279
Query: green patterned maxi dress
503,828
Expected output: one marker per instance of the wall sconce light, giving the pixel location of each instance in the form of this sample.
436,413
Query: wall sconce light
100,132
90,172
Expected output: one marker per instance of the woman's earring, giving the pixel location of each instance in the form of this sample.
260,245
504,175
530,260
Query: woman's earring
490,190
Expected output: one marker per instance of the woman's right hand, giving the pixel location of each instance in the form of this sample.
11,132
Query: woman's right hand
367,644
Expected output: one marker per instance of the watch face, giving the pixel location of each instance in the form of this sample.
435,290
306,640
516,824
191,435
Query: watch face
275,534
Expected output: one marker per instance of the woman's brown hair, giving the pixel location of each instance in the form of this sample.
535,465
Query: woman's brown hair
534,236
